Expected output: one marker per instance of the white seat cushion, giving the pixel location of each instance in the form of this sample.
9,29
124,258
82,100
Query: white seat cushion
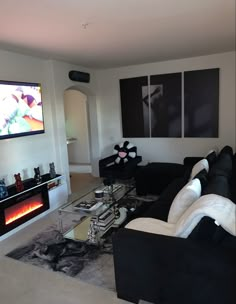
184,199
151,225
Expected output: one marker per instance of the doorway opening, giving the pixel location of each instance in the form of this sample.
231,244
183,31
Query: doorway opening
77,131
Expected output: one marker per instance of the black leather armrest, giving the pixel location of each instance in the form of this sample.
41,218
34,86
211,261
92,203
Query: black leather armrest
107,160
108,167
110,160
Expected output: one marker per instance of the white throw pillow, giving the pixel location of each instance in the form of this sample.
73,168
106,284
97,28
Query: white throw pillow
184,199
199,166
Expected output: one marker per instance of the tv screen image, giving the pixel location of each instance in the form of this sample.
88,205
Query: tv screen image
21,109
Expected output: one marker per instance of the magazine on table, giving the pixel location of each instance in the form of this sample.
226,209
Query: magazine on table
88,206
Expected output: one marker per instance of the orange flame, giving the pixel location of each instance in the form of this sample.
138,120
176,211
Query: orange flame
13,215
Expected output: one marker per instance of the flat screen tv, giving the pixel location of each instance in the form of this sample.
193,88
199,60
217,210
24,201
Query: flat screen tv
21,109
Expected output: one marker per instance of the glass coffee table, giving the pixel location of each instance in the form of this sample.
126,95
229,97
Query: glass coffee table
86,218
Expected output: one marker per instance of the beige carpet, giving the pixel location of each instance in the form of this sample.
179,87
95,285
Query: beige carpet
21,283
25,284
83,182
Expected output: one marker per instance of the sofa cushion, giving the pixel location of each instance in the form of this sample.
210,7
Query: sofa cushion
190,161
208,230
211,157
222,166
203,177
199,166
184,199
227,150
170,192
234,166
124,152
218,184
155,177
160,209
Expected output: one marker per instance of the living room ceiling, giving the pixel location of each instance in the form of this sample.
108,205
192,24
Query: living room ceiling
112,33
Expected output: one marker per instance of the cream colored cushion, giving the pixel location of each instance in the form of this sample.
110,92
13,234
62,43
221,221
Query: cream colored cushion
184,199
151,225
199,166
219,208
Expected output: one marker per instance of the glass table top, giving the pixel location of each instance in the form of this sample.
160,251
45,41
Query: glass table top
82,227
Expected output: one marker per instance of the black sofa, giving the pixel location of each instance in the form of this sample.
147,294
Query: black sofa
171,270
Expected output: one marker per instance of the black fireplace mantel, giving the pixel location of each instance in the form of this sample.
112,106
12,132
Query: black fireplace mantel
15,200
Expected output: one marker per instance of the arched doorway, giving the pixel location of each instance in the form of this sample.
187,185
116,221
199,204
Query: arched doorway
77,130
93,133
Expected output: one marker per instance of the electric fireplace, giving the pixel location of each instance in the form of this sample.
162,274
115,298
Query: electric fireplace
22,207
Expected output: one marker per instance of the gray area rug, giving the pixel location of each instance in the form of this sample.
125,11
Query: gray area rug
49,250
89,263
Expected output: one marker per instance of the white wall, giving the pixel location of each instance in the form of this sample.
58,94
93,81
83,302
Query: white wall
61,83
24,153
166,149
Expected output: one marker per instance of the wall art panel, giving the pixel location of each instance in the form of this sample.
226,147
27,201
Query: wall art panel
165,105
201,103
135,107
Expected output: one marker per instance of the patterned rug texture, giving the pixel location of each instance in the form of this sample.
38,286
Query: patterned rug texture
89,263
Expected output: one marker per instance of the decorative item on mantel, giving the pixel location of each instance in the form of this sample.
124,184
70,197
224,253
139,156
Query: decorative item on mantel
37,175
3,189
19,184
52,170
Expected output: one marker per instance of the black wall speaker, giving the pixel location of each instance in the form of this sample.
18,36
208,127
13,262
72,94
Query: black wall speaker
79,76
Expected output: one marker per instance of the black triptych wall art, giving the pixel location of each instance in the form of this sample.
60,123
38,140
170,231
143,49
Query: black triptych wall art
165,105
201,103
135,114
152,106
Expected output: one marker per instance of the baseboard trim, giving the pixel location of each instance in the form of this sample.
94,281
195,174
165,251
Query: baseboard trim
80,168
